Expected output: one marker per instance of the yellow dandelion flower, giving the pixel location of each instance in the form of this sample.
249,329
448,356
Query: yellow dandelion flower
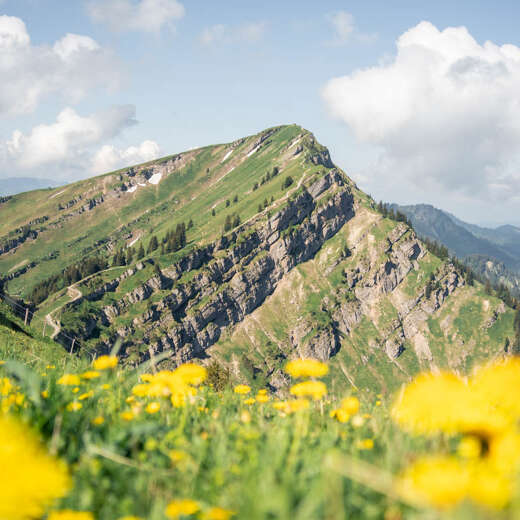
179,507
69,380
30,479
250,401
75,390
105,362
314,389
68,514
262,398
306,368
445,403
45,394
127,415
74,406
130,517
295,405
177,456
365,444
98,421
242,389
153,407
6,387
106,386
437,481
262,391
340,414
350,405
217,513
86,395
146,378
191,373
91,374
470,447
245,417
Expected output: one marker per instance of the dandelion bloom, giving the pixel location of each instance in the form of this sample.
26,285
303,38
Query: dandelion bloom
217,513
97,421
365,444
314,389
74,406
179,507
242,389
90,374
292,406
153,407
250,401
105,362
69,380
30,479
444,482
127,415
350,405
306,368
262,398
68,514
444,402
340,415
191,373
86,395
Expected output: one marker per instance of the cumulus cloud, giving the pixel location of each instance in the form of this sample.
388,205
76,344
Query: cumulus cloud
251,32
445,113
75,145
30,72
109,158
142,15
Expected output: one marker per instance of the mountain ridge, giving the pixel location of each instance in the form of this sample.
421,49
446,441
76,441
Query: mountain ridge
226,229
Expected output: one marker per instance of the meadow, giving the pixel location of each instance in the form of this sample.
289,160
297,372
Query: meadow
83,440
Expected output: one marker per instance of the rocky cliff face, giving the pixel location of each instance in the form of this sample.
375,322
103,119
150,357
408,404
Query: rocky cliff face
234,275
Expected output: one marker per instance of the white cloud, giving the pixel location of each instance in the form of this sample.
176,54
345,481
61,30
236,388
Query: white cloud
30,72
109,158
251,32
343,25
71,145
141,15
445,113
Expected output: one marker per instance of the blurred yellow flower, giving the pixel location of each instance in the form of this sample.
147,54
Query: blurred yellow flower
74,406
68,514
105,362
242,389
365,444
45,394
179,507
90,374
350,405
245,417
250,400
30,479
69,380
340,415
127,415
86,395
470,447
106,386
191,373
99,420
314,389
262,398
306,368
177,456
153,407
217,513
75,390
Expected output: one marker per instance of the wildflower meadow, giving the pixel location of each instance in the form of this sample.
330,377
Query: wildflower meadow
100,441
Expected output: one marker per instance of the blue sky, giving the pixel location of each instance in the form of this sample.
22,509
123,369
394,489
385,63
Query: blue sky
200,72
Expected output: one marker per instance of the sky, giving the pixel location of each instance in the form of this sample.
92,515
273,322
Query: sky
418,101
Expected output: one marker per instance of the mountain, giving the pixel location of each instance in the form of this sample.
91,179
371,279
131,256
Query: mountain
253,252
14,185
492,253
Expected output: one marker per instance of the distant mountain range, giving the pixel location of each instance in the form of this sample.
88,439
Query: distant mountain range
493,253
14,185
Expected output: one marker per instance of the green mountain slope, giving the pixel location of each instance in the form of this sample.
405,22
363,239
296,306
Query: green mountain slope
256,251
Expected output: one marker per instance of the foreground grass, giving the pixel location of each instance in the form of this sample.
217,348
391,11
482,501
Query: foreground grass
249,457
